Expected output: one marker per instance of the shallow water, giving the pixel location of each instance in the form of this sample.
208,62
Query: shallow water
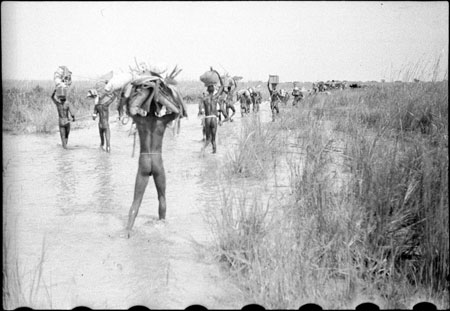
78,200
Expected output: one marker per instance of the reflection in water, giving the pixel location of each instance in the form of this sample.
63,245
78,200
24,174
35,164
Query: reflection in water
65,181
104,188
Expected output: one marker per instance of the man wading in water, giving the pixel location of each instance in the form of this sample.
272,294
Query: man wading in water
229,104
101,109
64,110
208,105
151,132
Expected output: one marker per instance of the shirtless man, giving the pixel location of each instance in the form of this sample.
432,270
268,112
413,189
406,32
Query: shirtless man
208,105
256,99
228,99
64,112
284,96
221,107
245,100
274,100
200,114
151,132
297,94
102,109
121,105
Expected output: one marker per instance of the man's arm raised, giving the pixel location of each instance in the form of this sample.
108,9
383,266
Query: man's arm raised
111,100
268,86
53,97
221,88
235,86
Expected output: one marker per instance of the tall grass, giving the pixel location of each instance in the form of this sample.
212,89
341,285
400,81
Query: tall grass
368,214
274,251
399,153
258,146
23,285
27,106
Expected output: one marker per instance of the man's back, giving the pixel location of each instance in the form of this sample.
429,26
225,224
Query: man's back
151,132
103,112
210,104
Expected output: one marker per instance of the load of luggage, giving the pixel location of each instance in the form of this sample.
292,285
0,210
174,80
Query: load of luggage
210,78
164,93
63,79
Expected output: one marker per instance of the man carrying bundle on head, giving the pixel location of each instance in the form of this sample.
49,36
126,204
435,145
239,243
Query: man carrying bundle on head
227,103
64,113
208,106
297,94
284,96
149,93
101,109
255,97
245,101
63,79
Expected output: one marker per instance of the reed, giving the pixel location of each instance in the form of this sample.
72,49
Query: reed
258,145
399,156
366,217
23,285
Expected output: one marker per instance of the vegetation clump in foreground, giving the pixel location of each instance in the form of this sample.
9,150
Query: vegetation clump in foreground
366,215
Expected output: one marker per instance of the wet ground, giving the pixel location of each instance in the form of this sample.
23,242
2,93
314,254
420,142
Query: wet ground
77,200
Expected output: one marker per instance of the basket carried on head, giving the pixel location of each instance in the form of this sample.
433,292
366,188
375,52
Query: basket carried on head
63,76
209,78
273,79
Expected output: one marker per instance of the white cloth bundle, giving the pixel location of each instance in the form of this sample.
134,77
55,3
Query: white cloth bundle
118,80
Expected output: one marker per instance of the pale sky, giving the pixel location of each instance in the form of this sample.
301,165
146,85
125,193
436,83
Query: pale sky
299,41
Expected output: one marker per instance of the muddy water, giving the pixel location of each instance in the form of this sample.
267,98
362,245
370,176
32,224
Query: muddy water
77,202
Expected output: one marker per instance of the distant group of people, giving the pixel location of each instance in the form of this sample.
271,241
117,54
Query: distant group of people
247,98
218,101
321,86
277,96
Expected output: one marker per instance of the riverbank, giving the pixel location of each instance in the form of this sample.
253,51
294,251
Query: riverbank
362,213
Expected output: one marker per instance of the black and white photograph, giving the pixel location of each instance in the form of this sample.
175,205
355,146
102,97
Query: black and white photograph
225,154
